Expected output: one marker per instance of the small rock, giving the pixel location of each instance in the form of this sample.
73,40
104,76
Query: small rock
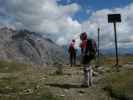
66,90
95,73
43,78
28,91
62,95
100,68
81,91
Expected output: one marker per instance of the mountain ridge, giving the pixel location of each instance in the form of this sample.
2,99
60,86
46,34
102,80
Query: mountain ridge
29,47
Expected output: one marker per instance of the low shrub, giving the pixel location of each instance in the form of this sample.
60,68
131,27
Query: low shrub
120,85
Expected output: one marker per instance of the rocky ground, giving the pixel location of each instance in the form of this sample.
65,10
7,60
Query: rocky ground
48,83
68,85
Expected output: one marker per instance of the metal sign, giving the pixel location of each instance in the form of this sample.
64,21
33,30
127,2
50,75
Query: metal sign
114,18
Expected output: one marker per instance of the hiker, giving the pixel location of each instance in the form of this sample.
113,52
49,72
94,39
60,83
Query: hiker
88,52
72,53
81,51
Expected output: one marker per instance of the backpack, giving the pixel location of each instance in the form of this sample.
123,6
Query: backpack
91,47
71,49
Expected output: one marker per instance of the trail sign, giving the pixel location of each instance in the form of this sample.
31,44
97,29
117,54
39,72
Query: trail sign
114,18
98,45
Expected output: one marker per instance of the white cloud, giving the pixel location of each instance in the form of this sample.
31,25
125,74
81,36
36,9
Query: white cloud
124,29
47,16
44,16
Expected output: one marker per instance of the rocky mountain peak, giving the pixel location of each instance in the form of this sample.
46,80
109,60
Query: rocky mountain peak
29,47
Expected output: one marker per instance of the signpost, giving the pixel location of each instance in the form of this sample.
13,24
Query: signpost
98,42
115,18
98,45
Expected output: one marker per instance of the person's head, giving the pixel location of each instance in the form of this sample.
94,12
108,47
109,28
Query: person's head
83,36
73,40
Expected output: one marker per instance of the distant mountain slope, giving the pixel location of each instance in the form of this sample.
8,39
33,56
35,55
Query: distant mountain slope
29,47
122,51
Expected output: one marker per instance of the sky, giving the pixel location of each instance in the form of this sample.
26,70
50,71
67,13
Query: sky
64,20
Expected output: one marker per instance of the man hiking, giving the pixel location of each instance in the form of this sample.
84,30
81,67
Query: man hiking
88,52
72,53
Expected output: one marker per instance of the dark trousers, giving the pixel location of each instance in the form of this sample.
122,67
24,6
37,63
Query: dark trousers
72,58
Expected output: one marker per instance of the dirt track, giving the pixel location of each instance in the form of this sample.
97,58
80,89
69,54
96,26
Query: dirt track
31,84
68,85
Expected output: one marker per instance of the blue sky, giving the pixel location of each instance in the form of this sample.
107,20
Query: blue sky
94,5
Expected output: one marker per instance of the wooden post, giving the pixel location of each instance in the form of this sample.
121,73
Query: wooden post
116,45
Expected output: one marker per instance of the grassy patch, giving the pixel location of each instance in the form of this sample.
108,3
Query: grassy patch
49,96
11,66
18,83
120,85
111,60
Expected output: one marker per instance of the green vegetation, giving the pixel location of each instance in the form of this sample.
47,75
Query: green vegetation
49,97
111,60
62,82
120,85
12,66
19,82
